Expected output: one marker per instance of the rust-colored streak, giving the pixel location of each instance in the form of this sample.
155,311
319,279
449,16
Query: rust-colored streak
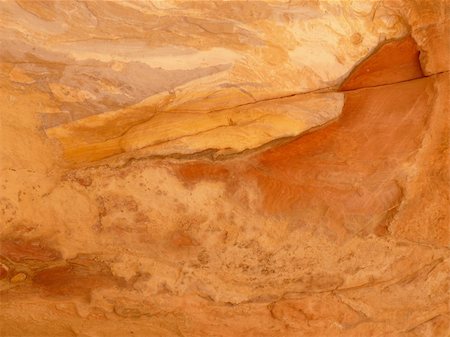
194,172
19,250
396,61
3,271
72,279
348,173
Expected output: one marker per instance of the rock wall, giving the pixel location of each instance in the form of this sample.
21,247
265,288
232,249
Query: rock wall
224,168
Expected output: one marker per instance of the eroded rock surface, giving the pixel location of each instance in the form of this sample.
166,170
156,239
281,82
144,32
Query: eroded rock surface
224,169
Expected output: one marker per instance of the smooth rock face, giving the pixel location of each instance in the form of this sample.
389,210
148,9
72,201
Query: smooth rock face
394,62
224,169
225,131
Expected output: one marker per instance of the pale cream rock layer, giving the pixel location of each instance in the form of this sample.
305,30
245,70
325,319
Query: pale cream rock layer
123,62
105,55
130,62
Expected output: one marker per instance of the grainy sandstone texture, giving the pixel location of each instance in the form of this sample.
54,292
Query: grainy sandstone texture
224,169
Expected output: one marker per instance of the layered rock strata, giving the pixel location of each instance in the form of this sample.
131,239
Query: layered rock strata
224,169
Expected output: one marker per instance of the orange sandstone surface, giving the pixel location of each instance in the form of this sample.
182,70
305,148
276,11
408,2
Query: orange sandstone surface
224,169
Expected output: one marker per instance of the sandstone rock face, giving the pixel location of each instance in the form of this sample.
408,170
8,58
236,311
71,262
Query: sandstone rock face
392,63
224,168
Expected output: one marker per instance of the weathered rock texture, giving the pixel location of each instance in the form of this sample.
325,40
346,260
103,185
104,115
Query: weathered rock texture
224,168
